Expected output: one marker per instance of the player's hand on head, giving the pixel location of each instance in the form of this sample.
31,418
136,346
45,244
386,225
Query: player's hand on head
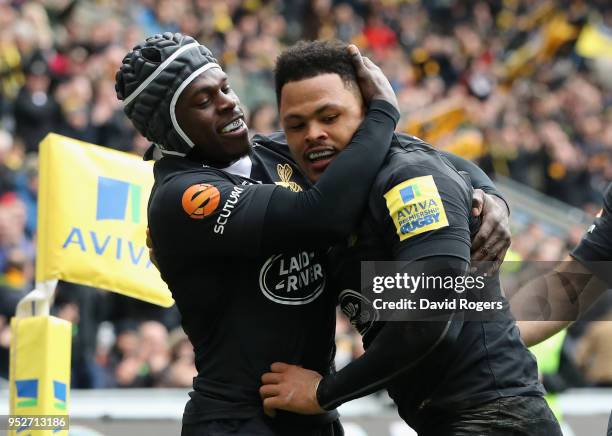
291,388
493,237
373,83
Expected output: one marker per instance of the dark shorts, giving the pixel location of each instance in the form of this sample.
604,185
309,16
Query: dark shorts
510,416
257,426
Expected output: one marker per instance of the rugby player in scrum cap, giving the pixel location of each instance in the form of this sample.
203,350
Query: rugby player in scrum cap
214,228
235,232
448,377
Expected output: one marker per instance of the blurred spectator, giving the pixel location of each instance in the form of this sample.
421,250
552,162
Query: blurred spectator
5,340
16,250
181,369
263,119
26,187
145,354
36,111
85,308
7,174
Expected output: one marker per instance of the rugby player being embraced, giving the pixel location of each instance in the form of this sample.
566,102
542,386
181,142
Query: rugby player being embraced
447,377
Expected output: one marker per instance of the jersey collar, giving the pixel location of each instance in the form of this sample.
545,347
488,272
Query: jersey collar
242,167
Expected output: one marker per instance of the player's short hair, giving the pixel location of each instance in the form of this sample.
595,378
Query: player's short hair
308,59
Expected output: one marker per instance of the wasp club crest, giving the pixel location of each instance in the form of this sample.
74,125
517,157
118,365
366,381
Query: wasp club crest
284,174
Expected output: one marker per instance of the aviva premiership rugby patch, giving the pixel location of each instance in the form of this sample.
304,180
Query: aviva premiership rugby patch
415,207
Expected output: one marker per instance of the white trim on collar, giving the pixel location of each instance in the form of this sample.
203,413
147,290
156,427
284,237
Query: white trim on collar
242,167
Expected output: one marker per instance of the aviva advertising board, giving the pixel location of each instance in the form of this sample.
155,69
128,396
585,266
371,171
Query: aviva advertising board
92,217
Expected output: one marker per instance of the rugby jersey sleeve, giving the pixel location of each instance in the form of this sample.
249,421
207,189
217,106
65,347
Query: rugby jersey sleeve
423,211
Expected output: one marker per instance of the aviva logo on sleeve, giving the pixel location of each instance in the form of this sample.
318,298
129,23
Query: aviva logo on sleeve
415,207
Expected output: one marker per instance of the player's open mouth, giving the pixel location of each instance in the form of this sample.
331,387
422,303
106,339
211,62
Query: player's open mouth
319,159
234,127
315,156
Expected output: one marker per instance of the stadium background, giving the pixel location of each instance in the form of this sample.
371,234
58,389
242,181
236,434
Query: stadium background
522,87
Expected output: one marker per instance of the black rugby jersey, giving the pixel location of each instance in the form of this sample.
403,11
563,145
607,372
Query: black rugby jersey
595,248
485,360
250,292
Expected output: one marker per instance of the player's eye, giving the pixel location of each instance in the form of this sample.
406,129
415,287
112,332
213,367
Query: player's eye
204,102
330,118
226,89
295,127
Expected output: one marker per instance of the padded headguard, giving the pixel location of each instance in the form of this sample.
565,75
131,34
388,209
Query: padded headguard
150,81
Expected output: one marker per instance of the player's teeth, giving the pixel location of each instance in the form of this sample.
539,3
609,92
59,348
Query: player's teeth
320,154
234,125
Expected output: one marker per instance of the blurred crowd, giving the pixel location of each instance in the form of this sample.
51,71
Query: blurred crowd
524,88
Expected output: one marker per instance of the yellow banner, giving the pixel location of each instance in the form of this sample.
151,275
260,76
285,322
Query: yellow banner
594,42
40,375
553,33
438,120
92,216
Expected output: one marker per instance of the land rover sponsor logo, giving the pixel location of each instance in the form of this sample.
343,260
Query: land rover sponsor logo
292,279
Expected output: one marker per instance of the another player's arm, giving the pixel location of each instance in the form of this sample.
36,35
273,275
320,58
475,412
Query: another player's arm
493,237
397,348
575,284
444,247
569,291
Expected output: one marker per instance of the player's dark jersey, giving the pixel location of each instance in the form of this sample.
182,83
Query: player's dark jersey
419,207
242,312
246,300
595,248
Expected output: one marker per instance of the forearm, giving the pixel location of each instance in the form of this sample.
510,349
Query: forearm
398,347
567,292
534,332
